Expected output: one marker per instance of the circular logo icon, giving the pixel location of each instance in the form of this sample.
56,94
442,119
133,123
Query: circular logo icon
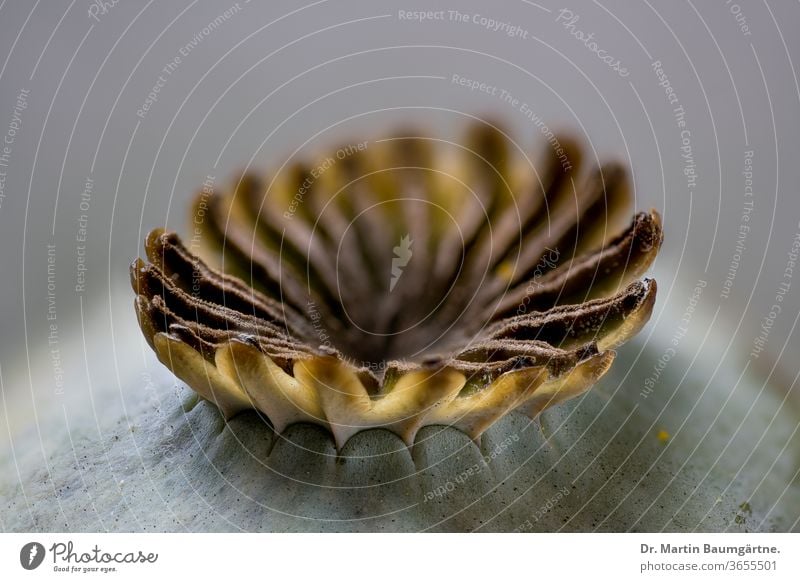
31,555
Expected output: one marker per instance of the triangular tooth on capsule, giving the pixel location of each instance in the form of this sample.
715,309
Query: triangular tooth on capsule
569,385
343,398
190,366
476,413
277,394
349,408
415,395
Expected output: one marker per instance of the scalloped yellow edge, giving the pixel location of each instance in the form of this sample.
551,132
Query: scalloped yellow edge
324,391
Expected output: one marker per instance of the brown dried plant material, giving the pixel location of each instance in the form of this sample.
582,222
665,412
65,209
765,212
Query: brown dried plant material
402,283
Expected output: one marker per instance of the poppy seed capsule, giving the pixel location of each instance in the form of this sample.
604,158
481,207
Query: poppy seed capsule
385,286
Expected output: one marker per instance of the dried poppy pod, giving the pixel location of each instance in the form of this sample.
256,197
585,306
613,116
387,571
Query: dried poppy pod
402,283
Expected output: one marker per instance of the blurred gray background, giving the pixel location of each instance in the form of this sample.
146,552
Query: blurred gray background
248,83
